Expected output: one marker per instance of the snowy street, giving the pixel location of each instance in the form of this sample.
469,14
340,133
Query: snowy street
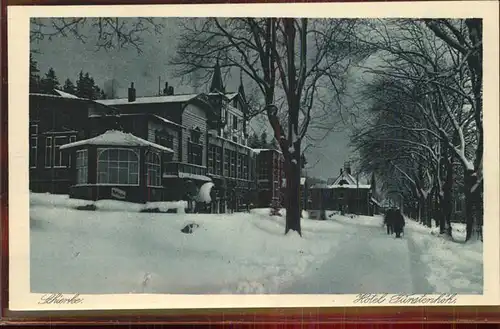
110,251
369,262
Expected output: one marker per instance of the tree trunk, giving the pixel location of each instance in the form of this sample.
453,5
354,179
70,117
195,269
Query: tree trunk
293,158
293,202
472,198
447,203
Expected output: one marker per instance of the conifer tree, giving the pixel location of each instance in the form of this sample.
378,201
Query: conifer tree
34,77
49,82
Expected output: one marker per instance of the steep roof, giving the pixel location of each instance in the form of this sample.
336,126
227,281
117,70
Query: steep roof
217,83
117,138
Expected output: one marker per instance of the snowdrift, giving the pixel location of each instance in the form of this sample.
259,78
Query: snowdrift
129,251
63,201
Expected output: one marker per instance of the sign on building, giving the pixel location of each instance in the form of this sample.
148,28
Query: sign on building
118,193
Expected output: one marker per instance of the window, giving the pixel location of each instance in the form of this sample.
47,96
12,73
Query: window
82,168
235,139
196,135
218,160
154,169
232,171
238,165
33,145
33,129
195,152
117,166
165,139
33,151
245,167
458,205
226,163
226,117
48,152
61,159
211,159
235,122
263,170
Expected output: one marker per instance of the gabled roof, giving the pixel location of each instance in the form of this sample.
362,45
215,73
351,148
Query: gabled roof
347,177
117,138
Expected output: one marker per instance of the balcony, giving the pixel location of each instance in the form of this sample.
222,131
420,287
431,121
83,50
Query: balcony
185,170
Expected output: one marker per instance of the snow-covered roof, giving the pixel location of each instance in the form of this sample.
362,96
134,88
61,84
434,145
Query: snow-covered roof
350,186
319,186
229,96
150,100
117,138
153,115
66,95
257,151
57,95
345,176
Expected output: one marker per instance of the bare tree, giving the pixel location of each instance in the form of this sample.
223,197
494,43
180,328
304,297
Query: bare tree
107,32
445,91
293,62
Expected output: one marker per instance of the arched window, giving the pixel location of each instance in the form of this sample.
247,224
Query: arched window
117,166
154,169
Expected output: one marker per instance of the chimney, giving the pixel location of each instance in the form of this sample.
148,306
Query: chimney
165,90
347,167
170,90
131,93
341,171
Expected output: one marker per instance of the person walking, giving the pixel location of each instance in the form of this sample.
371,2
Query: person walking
388,220
399,223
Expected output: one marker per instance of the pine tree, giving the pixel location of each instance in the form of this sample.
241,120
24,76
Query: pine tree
86,87
49,82
102,95
34,77
69,87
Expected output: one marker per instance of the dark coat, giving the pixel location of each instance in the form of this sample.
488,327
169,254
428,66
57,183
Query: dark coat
398,222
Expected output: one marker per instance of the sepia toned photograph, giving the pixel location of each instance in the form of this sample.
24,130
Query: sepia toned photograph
242,158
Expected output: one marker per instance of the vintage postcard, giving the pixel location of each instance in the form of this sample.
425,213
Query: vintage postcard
260,155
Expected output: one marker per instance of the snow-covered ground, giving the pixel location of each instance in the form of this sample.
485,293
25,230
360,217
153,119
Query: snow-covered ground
450,266
119,249
128,251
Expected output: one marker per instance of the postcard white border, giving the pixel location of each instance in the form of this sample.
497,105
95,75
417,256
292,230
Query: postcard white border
18,59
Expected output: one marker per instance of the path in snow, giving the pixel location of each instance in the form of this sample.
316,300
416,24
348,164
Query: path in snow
368,261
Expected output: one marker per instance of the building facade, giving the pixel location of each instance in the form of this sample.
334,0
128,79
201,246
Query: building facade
270,175
344,194
54,120
144,149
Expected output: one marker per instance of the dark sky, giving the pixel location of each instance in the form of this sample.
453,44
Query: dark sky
68,56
